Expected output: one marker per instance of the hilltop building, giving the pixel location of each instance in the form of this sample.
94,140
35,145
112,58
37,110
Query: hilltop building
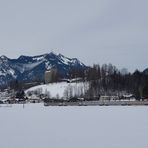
50,76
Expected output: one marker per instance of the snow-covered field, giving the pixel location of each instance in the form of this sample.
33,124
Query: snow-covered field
58,89
36,126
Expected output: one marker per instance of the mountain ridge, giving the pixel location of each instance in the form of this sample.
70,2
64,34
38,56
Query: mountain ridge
28,68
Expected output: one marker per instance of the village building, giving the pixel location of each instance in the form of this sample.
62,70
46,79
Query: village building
50,76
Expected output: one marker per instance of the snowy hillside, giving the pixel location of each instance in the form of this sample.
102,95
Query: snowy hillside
30,68
59,90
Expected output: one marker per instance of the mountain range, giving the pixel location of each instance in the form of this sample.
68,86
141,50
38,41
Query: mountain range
146,71
28,68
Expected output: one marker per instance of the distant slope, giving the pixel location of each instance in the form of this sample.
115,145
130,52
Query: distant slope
28,68
58,89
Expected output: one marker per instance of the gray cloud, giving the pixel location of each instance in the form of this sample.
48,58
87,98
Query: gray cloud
95,31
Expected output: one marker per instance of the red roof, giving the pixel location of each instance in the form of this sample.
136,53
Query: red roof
145,98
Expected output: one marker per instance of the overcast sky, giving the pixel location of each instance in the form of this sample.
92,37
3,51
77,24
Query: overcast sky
95,31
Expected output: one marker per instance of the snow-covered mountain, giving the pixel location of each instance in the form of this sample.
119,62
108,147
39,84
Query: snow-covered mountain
146,71
28,68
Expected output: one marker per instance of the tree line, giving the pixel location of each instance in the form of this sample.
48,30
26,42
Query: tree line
109,80
105,80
